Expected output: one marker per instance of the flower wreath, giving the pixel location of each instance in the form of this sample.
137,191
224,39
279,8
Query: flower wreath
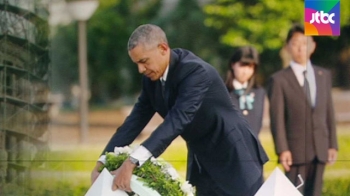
154,173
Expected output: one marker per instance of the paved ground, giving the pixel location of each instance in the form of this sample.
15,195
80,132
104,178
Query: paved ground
64,131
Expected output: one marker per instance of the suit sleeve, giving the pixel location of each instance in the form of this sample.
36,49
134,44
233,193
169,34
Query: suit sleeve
261,112
133,124
277,118
330,116
193,85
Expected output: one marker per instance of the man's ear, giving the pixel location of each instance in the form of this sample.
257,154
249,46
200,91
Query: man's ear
163,47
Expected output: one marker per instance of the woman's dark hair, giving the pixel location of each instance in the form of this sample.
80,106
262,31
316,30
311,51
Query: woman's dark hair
247,56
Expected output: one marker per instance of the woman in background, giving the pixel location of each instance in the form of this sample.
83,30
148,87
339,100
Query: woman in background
243,88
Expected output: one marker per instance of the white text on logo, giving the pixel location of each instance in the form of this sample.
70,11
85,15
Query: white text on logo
324,17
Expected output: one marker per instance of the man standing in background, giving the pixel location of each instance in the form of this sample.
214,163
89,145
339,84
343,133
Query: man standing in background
302,116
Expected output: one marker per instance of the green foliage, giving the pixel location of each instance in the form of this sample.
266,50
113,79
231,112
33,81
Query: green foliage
185,29
44,189
64,59
61,165
111,72
336,187
114,162
336,177
344,13
332,187
211,31
151,174
263,23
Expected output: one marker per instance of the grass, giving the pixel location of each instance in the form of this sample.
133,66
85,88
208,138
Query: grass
338,169
336,177
68,172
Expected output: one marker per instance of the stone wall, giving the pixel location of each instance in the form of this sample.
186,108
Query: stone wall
24,79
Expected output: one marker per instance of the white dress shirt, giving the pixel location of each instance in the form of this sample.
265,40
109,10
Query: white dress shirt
237,85
310,75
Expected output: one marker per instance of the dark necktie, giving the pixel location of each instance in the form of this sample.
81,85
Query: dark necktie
307,88
163,87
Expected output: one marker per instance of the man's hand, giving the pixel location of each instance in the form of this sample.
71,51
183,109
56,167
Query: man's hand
123,176
95,173
286,160
332,156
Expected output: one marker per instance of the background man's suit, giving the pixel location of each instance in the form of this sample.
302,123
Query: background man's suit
197,106
308,132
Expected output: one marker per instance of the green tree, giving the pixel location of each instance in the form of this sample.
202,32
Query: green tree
111,72
261,23
264,24
185,28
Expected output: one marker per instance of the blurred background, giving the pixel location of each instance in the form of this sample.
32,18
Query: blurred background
47,38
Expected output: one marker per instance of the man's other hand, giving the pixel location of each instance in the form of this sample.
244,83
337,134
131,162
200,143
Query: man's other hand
286,160
332,156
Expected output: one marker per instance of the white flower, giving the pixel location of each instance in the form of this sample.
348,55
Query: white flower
160,160
126,149
155,161
164,167
120,150
187,188
167,168
172,172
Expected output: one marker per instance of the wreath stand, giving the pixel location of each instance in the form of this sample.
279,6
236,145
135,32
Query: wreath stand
103,186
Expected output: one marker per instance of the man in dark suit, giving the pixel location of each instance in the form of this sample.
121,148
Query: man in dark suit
302,117
224,157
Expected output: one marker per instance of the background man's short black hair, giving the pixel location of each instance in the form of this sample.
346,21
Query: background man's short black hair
296,28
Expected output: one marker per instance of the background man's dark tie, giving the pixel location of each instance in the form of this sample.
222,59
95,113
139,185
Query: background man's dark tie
307,88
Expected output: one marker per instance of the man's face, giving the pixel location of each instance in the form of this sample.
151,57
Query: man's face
300,47
150,62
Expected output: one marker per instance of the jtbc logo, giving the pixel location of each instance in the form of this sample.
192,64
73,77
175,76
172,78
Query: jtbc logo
316,17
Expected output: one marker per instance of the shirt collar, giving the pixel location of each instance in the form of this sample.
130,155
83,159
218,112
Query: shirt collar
297,67
165,75
300,68
237,85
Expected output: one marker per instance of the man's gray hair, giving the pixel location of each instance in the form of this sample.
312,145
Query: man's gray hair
149,35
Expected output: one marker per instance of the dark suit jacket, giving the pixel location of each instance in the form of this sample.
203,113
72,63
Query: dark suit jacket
307,132
197,106
254,116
